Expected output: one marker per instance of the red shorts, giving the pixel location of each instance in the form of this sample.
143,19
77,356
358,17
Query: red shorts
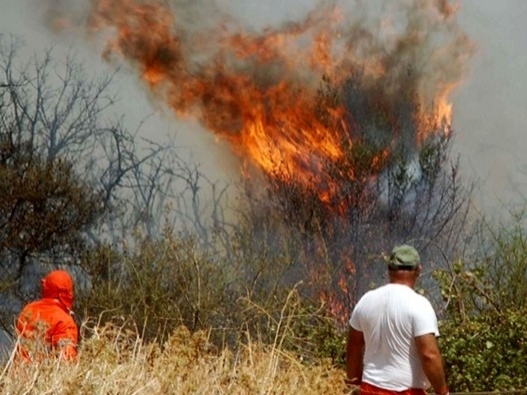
368,389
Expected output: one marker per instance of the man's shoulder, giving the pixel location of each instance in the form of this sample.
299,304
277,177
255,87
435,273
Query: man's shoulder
378,290
395,290
404,294
373,295
417,300
30,308
45,308
32,304
420,306
422,299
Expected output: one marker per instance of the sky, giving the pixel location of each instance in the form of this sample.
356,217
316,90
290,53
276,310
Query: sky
490,114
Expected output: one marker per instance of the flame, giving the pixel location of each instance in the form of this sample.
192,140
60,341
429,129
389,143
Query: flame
260,92
296,100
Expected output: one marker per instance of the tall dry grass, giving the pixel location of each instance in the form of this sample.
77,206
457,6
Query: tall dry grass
114,360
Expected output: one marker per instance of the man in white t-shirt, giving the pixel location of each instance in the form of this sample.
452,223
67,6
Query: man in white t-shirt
392,346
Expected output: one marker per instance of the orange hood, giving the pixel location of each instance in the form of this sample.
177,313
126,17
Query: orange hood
58,285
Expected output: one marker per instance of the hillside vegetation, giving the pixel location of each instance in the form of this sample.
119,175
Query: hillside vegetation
179,292
141,343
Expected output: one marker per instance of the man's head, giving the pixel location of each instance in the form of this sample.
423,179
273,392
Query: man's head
404,265
58,285
404,257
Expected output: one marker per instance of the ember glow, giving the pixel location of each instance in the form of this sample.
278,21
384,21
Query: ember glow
260,91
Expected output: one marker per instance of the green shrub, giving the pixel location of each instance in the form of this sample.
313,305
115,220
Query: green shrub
159,286
487,352
162,284
484,334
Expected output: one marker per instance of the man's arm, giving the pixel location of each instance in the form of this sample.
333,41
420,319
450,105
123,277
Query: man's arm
432,362
354,356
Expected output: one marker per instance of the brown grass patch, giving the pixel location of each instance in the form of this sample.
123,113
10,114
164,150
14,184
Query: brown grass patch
114,360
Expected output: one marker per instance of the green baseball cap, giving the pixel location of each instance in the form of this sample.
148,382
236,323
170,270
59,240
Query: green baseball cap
404,257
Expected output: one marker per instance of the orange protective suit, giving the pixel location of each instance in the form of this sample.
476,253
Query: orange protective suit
46,326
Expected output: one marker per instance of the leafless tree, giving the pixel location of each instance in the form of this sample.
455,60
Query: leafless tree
72,174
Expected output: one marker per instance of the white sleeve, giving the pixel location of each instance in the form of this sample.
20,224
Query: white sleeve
354,321
424,320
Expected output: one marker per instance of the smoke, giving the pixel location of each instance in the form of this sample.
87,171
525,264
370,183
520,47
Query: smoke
389,38
233,71
418,36
204,63
488,108
258,87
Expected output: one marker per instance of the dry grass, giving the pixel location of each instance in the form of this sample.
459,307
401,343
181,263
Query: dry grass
114,360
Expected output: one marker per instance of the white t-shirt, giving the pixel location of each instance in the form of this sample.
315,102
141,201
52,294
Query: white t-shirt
390,317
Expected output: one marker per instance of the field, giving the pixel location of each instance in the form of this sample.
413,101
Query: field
115,361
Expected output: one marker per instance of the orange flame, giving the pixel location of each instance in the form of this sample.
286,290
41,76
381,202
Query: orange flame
259,92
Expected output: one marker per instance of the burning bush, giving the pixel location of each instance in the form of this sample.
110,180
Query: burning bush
353,166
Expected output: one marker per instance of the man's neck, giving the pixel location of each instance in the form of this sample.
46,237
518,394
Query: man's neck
403,280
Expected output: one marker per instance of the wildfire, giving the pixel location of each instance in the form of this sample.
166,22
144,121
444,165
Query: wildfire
262,92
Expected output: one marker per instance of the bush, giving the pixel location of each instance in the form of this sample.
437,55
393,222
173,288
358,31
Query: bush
484,335
157,286
487,352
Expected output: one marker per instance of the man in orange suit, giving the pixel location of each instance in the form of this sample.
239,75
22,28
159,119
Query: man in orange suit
46,326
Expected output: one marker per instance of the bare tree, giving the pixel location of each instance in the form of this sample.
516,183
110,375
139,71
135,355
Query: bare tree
61,113
72,175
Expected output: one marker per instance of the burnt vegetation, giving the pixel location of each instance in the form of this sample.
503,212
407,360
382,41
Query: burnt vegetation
383,173
386,189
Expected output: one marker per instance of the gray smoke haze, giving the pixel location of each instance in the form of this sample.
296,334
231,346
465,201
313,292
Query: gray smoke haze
257,89
38,26
489,107
392,37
